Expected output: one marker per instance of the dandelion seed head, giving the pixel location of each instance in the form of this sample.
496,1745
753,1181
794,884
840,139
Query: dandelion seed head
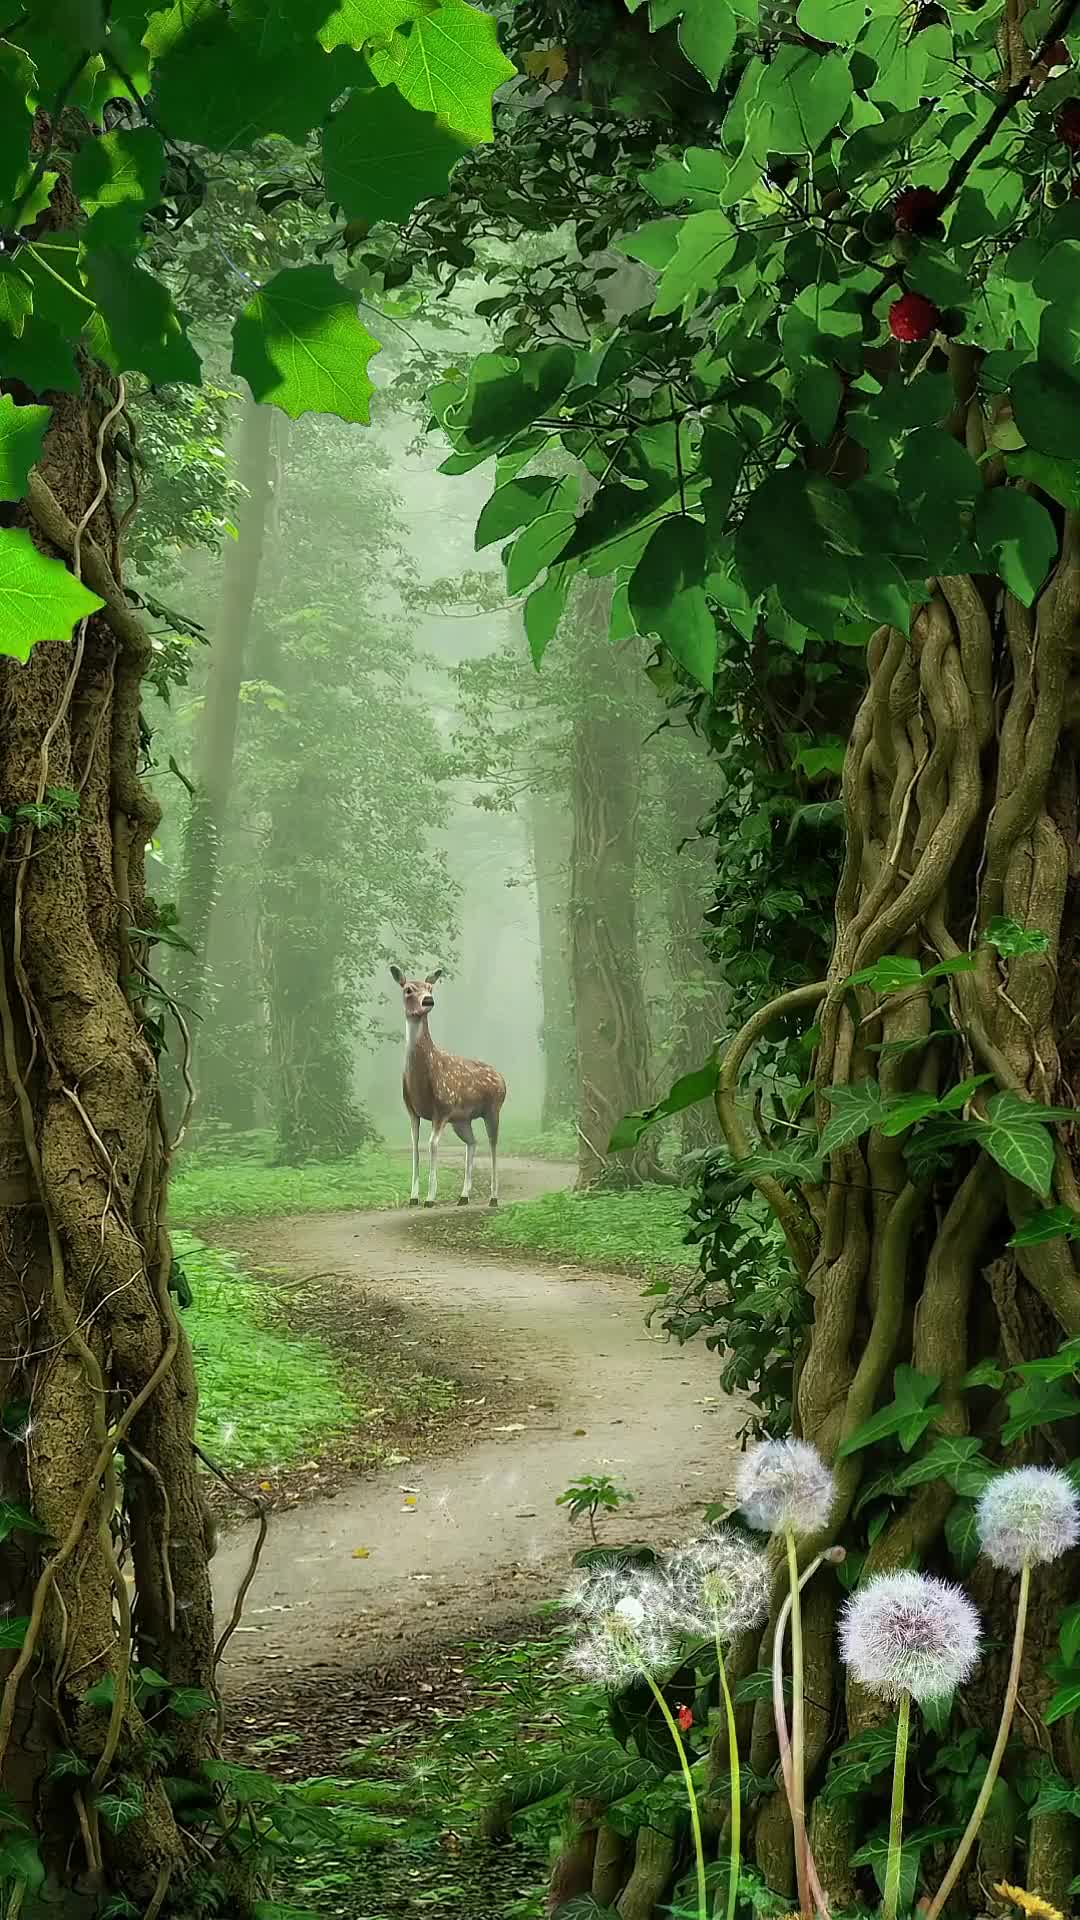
909,1633
627,1620
1028,1516
718,1584
784,1486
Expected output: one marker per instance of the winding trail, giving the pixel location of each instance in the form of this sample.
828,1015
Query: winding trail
592,1391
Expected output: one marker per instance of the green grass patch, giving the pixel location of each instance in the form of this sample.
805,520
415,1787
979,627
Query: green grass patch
227,1185
640,1230
538,1143
264,1398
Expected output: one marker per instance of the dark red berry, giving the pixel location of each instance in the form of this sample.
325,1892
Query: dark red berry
915,210
1068,123
685,1719
912,317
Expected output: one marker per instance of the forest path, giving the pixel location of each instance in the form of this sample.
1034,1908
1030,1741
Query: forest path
594,1392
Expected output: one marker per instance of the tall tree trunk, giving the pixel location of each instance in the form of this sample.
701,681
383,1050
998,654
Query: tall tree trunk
549,829
103,1366
610,1022
200,871
698,995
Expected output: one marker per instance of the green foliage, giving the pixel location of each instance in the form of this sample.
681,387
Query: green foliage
22,430
639,1231
591,1494
39,598
301,346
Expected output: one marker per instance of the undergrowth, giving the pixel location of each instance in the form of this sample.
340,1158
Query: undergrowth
227,1183
264,1398
641,1231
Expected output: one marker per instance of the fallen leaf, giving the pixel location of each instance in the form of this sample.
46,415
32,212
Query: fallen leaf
579,1433
361,1553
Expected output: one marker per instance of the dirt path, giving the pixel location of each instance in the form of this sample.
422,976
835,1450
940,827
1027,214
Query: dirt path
484,1542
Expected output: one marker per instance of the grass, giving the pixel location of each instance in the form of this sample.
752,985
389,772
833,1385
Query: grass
264,1397
231,1185
640,1230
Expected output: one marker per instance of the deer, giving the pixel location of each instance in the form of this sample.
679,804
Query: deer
445,1089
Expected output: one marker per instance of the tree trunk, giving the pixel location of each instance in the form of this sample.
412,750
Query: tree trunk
610,1021
698,995
105,1370
200,880
549,829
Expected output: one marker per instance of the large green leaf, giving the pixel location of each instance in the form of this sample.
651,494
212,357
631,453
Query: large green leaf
544,608
801,98
16,118
1016,1135
1020,535
136,328
539,546
220,86
301,346
513,505
41,358
1046,402
39,598
22,430
686,1092
382,157
706,31
356,23
667,596
16,297
117,178
504,394
706,244
855,1110
451,65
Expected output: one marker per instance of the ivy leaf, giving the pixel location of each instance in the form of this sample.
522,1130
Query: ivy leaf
301,346
686,1092
854,1765
906,1112
382,158
986,1374
117,178
1062,1365
16,297
1066,1701
907,1416
891,974
39,600
1050,1224
1008,936
1069,1634
962,1534
20,1861
1020,534
222,85
667,596
1019,1141
137,327
854,1111
958,1459
451,64
1038,1403
13,1630
22,430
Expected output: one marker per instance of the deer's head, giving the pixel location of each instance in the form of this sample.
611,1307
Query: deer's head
418,995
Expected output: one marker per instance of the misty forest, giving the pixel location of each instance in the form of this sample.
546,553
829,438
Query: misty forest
540,959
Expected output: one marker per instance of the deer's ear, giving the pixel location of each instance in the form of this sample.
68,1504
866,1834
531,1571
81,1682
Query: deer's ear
398,975
434,978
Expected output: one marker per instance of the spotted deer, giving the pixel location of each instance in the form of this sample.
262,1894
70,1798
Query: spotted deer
444,1088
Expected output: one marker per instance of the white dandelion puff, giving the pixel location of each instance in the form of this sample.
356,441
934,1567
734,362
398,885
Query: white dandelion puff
718,1585
784,1486
1027,1517
909,1633
626,1615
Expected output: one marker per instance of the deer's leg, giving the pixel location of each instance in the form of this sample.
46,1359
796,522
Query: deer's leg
491,1122
414,1189
464,1131
433,1162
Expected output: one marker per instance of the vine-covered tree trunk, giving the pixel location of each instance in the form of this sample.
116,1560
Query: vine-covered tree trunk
550,832
698,999
200,878
98,1387
610,1020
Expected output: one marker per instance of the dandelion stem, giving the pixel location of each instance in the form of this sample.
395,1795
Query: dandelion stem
783,1738
691,1795
797,1786
978,1812
896,1821
736,1784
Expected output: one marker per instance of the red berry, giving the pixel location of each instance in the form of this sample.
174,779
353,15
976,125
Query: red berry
685,1719
1068,123
912,318
915,210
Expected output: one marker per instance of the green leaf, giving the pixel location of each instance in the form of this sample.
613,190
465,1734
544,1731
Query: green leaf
907,1111
958,1459
835,20
686,1092
1046,407
41,358
39,598
962,1534
21,1861
706,245
137,327
511,506
117,178
1020,1142
1062,1365
986,1374
13,1630
667,596
908,1415
22,430
220,85
16,297
301,346
451,64
539,546
1050,1224
802,97
855,1110
17,87
891,974
544,609
188,1702
1069,1634
505,393
707,36
1038,1403
1020,534
1059,478
867,148
818,393
1011,939
382,158
1066,1701
353,23
861,1760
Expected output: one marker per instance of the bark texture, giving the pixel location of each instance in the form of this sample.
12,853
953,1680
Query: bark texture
549,828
